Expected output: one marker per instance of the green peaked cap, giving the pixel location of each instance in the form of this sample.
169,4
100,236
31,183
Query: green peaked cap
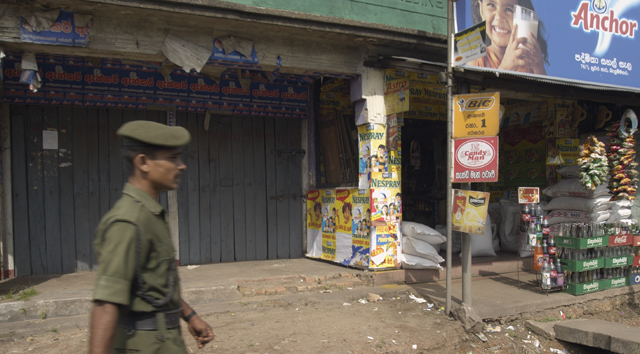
154,133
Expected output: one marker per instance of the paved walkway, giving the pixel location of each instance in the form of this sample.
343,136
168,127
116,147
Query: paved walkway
494,295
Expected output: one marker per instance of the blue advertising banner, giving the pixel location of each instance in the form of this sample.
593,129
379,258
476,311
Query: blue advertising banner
72,81
588,41
63,32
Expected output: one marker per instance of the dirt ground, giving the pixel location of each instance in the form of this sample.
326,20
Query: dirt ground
336,323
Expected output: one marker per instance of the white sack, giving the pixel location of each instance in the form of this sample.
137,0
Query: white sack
422,232
620,214
571,171
562,216
508,230
577,203
571,187
482,244
414,262
416,247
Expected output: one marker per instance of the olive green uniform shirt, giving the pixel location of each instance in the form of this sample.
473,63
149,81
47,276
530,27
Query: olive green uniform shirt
115,246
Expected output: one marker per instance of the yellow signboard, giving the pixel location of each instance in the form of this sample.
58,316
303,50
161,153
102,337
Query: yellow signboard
476,115
470,211
396,96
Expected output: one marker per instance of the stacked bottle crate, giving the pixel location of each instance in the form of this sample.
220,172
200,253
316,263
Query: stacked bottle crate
597,256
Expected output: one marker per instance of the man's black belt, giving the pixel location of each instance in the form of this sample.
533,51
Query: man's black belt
147,321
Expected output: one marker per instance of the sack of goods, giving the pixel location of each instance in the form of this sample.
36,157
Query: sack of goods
419,244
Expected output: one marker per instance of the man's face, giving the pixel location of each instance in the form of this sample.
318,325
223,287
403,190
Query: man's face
165,169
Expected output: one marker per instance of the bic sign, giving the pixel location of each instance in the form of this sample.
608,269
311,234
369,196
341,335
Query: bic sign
476,115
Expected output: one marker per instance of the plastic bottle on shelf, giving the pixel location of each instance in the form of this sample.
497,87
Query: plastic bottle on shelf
531,235
546,276
526,213
538,231
545,250
539,211
552,247
554,273
545,228
537,256
560,273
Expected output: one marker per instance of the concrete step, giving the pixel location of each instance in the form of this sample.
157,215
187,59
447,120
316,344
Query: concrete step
615,337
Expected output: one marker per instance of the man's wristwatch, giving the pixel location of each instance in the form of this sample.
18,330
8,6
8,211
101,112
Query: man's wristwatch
189,316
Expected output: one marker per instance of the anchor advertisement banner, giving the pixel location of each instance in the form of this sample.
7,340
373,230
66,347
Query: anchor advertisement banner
584,41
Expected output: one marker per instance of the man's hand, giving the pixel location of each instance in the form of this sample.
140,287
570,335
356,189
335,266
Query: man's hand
200,330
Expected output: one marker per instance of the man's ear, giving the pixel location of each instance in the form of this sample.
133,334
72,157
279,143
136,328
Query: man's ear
141,162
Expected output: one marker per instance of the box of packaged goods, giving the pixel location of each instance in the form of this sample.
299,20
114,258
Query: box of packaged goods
634,278
386,215
585,288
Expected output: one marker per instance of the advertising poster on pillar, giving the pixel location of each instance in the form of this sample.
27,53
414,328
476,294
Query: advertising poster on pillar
344,225
386,216
475,160
361,234
314,224
329,224
584,41
372,140
396,95
394,144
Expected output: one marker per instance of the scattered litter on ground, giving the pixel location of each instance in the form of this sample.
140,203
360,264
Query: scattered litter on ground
511,328
394,342
362,301
325,291
493,329
346,304
536,343
554,350
415,346
481,336
349,288
375,309
417,299
193,266
370,338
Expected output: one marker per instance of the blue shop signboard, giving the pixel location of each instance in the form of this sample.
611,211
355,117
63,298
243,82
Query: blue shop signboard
584,41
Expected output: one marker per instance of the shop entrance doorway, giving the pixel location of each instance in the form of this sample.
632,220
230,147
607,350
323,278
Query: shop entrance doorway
240,198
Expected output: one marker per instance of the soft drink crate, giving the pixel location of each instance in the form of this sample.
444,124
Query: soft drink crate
616,282
615,262
636,261
585,288
582,243
636,240
634,279
621,240
582,265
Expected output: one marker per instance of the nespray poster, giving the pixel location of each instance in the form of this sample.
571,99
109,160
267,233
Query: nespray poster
314,224
470,211
372,151
329,223
361,234
344,225
394,144
584,41
386,216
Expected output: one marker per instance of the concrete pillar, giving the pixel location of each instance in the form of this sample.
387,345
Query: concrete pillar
368,94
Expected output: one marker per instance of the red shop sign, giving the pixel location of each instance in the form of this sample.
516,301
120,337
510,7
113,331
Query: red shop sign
475,160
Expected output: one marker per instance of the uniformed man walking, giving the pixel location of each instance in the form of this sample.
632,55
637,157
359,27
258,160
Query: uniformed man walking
137,304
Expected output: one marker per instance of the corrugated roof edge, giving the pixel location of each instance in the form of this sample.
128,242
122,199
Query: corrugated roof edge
551,79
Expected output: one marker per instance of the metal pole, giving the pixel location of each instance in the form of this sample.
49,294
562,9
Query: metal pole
449,150
466,262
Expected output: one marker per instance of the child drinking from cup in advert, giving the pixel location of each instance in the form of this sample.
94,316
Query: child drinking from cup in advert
506,51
